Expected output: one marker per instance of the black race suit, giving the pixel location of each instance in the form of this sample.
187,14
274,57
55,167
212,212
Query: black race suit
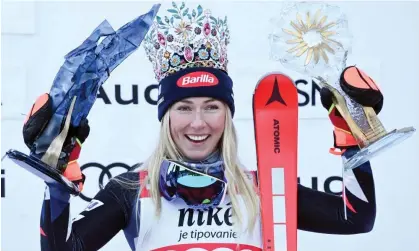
111,210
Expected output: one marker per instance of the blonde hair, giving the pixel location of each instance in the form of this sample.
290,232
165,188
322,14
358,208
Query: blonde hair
239,182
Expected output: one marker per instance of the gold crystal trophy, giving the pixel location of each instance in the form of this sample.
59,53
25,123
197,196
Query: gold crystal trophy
313,38
366,127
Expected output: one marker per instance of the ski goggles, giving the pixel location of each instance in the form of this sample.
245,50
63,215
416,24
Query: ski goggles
200,185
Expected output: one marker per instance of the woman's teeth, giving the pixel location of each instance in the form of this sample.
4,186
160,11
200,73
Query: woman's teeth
197,138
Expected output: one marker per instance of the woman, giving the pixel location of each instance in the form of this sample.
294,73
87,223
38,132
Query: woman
192,192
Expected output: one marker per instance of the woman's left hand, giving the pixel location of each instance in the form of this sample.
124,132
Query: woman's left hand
363,90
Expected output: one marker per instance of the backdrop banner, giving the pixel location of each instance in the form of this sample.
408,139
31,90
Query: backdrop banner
124,126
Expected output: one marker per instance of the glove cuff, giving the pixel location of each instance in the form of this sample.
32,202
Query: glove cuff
74,174
343,139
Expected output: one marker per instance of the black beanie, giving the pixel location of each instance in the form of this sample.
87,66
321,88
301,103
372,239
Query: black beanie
195,82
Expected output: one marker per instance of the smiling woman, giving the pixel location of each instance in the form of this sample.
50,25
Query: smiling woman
196,126
193,192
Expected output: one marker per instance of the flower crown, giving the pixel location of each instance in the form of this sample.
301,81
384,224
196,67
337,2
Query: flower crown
187,38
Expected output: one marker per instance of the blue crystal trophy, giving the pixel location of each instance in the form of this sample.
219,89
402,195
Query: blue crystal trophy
313,38
75,90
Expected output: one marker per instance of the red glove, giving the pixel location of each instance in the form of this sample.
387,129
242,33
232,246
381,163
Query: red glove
363,90
37,120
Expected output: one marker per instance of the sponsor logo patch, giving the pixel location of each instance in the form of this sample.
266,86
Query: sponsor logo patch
197,79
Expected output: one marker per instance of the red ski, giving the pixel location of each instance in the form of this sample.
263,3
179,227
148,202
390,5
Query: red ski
275,118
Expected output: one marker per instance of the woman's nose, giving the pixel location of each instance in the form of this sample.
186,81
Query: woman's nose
198,121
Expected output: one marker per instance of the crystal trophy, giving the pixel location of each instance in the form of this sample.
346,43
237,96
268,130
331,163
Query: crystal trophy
313,38
74,91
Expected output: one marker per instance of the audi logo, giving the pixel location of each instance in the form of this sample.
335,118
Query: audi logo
104,171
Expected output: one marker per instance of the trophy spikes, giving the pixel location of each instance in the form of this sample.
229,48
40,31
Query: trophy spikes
377,129
364,137
52,155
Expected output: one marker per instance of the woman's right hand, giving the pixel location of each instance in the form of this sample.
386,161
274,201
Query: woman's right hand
36,122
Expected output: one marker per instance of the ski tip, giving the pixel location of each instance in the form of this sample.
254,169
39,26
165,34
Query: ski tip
277,89
271,75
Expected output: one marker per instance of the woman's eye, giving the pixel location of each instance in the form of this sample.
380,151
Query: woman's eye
183,108
212,107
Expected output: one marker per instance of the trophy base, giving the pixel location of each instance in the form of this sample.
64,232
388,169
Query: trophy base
365,154
49,174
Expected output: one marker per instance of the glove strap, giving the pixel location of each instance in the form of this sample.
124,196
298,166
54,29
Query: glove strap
75,153
342,135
